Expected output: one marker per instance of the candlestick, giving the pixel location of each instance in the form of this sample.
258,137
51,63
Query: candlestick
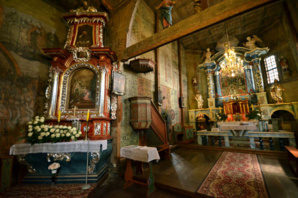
59,115
88,115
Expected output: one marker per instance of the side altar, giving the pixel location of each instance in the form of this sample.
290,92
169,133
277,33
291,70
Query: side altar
72,157
81,76
83,85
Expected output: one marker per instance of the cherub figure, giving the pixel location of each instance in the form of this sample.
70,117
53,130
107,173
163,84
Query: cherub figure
251,42
165,8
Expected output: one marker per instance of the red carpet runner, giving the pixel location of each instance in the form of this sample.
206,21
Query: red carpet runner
47,191
235,175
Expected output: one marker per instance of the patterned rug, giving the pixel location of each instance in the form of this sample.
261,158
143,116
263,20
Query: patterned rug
235,175
49,191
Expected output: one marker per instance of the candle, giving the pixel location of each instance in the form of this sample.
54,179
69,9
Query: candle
88,115
59,115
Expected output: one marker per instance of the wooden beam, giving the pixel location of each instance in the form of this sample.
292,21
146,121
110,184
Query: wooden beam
196,22
180,81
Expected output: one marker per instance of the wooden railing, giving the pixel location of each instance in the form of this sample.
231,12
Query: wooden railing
158,125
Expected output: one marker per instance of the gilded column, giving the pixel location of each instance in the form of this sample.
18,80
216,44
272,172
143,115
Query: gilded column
54,91
258,75
210,83
249,79
103,72
217,83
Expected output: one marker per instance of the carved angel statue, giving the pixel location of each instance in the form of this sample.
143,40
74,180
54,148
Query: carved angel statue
85,8
199,99
251,42
208,55
276,92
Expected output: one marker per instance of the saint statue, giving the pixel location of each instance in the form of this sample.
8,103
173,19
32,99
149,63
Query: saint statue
160,97
284,67
194,82
208,56
197,6
199,99
165,8
251,42
276,92
85,8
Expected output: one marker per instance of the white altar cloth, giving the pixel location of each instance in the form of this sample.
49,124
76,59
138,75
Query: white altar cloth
238,128
59,147
249,126
140,153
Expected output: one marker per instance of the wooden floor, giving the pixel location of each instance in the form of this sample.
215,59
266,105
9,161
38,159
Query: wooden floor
185,171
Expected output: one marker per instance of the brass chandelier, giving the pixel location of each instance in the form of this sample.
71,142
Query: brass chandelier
232,64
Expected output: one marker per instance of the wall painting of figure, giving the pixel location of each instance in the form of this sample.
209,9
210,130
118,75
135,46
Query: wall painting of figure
82,89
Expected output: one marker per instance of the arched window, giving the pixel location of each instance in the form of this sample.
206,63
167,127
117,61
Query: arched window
271,69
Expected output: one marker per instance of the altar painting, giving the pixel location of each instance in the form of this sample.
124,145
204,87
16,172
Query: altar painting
82,89
84,36
233,85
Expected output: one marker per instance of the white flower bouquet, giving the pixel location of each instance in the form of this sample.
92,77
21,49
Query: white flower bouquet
38,132
221,116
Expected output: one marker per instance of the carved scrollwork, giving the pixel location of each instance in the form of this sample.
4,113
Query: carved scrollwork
48,92
81,54
21,159
95,157
114,107
59,157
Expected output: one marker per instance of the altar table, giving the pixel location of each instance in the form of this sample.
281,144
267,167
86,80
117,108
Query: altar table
238,128
72,157
59,147
141,154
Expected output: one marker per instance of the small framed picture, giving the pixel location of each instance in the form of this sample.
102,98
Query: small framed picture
118,87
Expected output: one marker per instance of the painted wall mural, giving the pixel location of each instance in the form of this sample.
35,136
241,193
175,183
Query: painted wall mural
25,35
24,68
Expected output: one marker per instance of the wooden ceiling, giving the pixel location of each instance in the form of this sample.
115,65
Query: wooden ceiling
250,23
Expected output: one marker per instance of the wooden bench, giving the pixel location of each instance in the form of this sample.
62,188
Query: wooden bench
293,155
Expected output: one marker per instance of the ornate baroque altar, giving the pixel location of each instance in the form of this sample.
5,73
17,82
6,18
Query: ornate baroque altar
80,83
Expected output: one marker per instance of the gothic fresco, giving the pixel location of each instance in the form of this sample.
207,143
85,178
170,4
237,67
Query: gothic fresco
21,97
23,72
25,35
145,87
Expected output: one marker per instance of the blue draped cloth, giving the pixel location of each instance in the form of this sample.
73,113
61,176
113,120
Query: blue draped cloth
166,13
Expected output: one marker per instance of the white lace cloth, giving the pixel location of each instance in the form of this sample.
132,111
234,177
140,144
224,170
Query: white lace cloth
140,153
249,126
60,147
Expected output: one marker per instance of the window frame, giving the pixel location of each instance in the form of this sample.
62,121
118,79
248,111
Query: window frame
266,70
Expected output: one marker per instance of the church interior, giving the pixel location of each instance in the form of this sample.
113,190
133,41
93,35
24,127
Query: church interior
149,98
